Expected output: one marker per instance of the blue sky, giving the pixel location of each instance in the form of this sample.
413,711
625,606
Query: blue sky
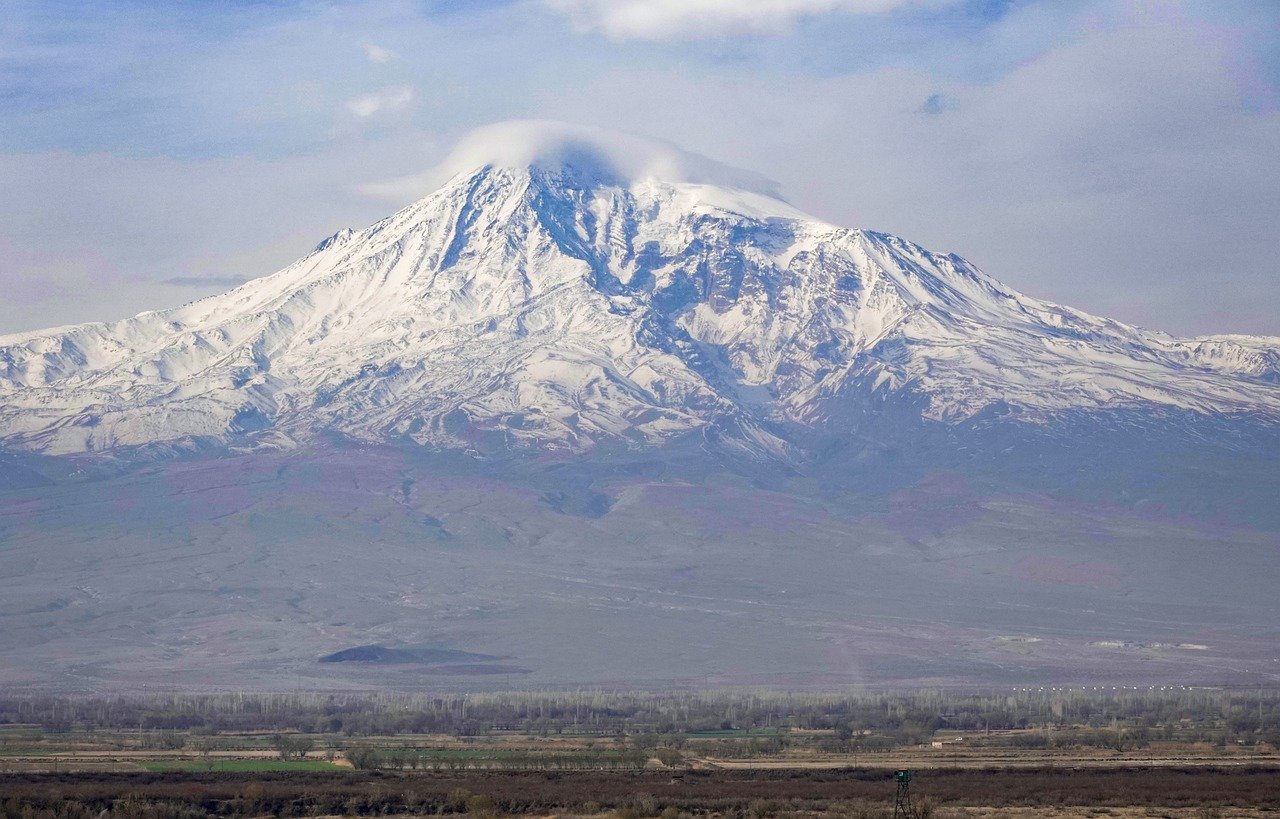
1117,156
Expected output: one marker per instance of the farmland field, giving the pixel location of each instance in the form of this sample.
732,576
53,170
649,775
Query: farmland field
239,765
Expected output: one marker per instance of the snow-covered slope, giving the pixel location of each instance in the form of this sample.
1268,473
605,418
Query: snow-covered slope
576,293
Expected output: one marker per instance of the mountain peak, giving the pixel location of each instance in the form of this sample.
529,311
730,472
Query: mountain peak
599,156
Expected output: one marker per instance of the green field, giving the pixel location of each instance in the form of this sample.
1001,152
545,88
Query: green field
522,753
240,765
497,758
722,733
28,750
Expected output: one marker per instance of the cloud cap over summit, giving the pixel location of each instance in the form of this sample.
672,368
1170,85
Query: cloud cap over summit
602,154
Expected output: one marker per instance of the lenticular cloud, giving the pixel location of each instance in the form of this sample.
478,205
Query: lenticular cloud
599,153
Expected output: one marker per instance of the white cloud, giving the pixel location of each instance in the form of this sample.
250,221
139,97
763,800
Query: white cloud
383,101
693,19
377,54
545,143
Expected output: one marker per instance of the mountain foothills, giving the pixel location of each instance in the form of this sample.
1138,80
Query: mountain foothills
592,392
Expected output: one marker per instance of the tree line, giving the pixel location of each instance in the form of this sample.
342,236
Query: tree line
855,720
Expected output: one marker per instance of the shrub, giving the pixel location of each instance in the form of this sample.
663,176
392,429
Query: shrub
457,799
481,805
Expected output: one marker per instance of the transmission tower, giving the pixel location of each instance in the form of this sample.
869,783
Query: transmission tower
902,802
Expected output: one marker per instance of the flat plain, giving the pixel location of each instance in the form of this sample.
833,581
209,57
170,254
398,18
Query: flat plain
714,773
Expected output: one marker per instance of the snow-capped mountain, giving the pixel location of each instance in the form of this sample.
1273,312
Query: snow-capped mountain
574,292
946,482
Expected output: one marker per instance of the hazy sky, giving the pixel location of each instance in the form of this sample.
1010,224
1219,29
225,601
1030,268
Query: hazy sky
1121,157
